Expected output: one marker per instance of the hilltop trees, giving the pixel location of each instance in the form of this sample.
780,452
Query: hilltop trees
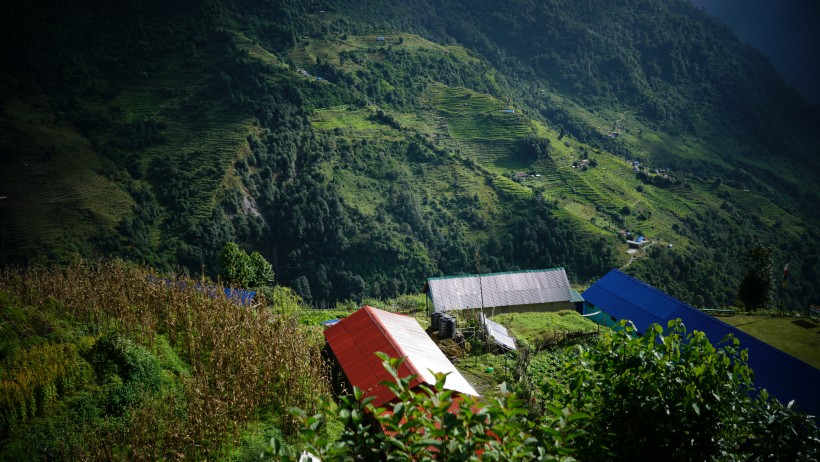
757,288
239,269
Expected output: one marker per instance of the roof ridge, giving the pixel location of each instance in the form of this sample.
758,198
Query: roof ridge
456,276
700,313
375,317
650,287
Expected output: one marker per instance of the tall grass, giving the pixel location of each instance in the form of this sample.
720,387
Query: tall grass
242,360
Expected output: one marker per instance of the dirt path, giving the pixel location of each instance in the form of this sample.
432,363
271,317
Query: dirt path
632,256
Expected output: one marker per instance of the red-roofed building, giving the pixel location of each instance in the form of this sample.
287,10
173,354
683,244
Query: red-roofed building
355,340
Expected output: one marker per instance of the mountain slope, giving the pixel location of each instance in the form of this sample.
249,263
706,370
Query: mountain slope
362,148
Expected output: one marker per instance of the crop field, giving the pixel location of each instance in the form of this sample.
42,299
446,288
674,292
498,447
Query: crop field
330,48
356,121
477,121
797,336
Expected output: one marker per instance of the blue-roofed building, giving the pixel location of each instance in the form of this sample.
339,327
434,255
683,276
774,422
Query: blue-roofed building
638,243
618,296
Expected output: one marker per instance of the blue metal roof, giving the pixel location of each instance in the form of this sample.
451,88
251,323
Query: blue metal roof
784,376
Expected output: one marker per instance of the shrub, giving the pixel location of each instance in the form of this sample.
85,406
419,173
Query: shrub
674,393
128,370
421,425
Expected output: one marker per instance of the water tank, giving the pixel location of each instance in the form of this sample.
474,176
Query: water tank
447,327
434,319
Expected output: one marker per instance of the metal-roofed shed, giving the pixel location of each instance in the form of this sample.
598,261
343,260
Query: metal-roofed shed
355,339
619,296
536,290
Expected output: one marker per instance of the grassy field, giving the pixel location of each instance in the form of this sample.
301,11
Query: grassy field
799,337
533,327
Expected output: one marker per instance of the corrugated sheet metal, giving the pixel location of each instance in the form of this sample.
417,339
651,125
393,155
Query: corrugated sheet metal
499,333
575,297
784,376
356,339
499,289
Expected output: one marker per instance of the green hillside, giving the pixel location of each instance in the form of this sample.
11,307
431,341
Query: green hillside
362,148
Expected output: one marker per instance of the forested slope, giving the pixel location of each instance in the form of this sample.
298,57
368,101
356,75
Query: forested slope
361,147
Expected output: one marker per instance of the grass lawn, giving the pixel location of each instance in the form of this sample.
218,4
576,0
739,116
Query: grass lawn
534,326
799,337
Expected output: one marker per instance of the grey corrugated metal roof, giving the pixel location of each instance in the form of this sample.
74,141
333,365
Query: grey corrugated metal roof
499,289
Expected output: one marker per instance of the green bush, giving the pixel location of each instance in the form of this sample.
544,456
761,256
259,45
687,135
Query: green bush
126,369
673,393
419,426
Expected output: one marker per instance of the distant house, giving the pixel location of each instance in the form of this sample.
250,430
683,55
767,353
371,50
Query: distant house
354,340
637,243
618,296
517,291
508,111
380,38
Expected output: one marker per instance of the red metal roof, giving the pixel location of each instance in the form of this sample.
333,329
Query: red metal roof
356,339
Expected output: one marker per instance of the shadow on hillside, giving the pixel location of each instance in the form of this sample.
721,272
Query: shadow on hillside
804,324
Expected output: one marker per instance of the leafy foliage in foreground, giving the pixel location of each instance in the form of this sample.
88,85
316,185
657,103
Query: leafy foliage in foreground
668,393
421,426
674,393
239,269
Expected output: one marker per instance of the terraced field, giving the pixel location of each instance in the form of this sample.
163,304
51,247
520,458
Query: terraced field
485,129
478,123
55,191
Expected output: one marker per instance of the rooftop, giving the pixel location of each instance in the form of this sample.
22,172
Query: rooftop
783,375
499,289
356,338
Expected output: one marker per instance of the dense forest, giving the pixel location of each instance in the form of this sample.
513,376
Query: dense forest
362,148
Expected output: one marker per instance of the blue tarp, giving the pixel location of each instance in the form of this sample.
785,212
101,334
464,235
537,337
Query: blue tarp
784,376
239,296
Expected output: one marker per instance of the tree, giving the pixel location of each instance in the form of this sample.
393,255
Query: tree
239,269
261,270
756,290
